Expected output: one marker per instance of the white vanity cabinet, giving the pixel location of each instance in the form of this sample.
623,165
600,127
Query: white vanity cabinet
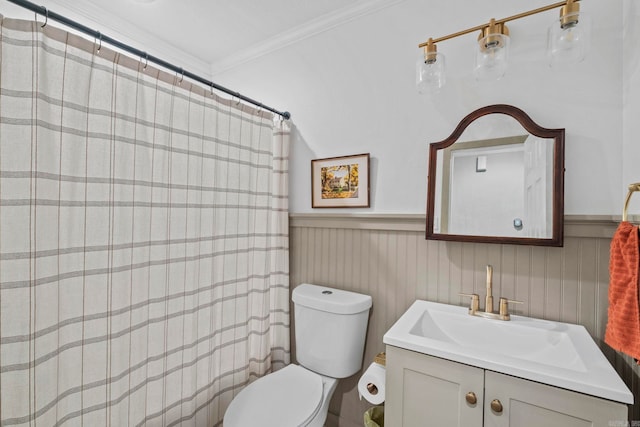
426,391
423,390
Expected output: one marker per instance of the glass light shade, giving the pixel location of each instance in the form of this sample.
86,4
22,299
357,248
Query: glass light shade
430,75
569,39
492,57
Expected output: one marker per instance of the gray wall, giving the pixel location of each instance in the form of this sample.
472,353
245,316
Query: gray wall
387,257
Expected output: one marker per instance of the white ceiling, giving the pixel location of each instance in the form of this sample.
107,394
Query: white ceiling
215,29
217,33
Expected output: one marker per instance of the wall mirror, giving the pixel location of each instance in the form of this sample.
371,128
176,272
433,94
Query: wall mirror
498,178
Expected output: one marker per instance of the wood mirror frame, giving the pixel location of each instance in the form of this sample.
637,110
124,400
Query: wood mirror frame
557,185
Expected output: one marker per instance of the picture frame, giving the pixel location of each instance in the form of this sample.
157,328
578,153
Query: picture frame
340,182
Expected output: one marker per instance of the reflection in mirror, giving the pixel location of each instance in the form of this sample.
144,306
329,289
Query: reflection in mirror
497,178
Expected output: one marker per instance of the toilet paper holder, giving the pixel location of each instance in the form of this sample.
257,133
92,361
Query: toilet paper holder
371,388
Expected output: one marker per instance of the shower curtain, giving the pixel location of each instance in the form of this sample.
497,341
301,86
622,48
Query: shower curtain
143,239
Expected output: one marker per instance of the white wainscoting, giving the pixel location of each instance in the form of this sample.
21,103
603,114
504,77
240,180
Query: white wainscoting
387,257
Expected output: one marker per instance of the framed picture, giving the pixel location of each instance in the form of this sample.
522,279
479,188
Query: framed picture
340,182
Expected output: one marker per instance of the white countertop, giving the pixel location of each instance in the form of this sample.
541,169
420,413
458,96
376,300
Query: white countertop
554,353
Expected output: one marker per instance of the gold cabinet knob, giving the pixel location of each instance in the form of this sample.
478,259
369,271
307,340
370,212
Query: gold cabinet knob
496,406
471,398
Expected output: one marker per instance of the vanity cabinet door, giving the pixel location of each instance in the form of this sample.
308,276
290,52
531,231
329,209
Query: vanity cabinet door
530,404
425,391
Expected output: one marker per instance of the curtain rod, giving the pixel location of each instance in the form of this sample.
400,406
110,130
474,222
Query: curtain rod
41,10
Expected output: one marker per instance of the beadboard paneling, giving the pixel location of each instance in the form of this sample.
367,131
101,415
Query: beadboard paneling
387,257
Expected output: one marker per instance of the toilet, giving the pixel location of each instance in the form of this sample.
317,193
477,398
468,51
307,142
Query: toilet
331,327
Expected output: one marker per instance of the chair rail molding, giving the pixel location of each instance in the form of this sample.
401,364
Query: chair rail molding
600,226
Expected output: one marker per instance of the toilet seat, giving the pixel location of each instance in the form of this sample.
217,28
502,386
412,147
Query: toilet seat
290,397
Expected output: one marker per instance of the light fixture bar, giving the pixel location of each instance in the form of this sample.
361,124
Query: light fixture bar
498,21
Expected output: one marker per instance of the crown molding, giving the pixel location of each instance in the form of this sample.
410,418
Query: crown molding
93,16
125,31
301,32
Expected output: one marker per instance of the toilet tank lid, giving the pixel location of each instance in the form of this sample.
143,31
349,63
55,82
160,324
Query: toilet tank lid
330,300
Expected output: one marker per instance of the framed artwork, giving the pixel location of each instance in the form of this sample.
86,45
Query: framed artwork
340,182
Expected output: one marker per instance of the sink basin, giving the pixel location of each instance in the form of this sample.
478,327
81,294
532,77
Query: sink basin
555,353
535,341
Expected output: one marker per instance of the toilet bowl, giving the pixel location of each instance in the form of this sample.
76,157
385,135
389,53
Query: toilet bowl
290,397
330,327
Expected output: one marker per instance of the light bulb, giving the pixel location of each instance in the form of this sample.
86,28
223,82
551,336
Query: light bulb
568,39
430,75
492,57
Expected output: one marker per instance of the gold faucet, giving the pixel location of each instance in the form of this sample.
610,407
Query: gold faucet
474,307
488,301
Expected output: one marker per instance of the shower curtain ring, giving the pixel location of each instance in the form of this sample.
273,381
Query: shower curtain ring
46,17
181,75
146,60
211,88
99,41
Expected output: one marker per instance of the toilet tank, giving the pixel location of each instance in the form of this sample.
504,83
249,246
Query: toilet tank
331,327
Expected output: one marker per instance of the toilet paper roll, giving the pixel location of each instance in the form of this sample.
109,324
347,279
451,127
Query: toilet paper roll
371,384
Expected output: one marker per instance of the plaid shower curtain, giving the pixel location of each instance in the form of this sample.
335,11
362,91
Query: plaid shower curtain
143,239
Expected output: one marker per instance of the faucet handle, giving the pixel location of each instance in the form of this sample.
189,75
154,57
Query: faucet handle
475,302
504,307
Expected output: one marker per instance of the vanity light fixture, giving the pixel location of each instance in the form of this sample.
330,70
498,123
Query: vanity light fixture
430,74
492,53
567,41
